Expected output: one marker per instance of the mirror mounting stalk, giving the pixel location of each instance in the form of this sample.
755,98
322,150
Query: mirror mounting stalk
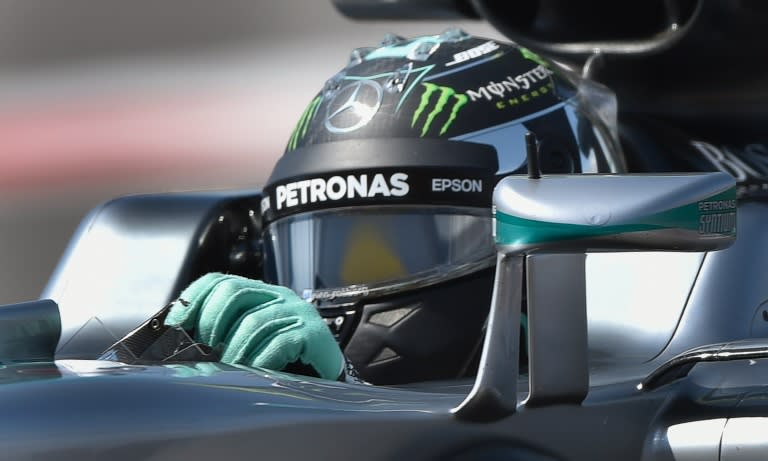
547,225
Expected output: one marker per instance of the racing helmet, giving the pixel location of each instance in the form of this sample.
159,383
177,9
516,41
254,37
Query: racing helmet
379,211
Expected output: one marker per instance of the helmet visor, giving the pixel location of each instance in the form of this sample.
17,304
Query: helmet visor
356,252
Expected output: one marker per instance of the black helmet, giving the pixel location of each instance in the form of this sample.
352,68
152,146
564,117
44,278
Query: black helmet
379,210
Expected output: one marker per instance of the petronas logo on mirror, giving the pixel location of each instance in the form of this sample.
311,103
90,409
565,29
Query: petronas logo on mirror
445,99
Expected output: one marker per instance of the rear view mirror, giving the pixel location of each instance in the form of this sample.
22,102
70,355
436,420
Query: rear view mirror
545,226
577,213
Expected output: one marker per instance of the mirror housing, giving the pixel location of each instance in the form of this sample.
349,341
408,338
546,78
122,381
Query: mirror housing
545,226
580,213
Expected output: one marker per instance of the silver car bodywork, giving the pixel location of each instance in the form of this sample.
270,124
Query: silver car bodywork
643,307
66,405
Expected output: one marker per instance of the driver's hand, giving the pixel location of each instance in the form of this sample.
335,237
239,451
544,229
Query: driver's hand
257,324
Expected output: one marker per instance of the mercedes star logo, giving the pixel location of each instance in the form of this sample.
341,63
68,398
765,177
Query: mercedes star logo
353,106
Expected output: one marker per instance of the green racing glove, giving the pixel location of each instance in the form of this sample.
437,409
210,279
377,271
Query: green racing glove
257,324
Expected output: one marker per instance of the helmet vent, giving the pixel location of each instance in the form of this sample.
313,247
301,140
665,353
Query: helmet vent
391,39
424,50
454,34
390,318
385,355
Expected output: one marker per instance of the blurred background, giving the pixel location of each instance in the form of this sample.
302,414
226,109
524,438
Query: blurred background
102,98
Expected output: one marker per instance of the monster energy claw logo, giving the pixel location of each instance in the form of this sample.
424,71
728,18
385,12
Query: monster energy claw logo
301,128
445,97
528,54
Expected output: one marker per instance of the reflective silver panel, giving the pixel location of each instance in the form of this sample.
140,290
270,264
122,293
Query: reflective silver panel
729,289
116,276
745,439
634,302
696,440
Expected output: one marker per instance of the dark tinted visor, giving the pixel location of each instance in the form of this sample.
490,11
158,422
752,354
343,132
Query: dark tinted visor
355,252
